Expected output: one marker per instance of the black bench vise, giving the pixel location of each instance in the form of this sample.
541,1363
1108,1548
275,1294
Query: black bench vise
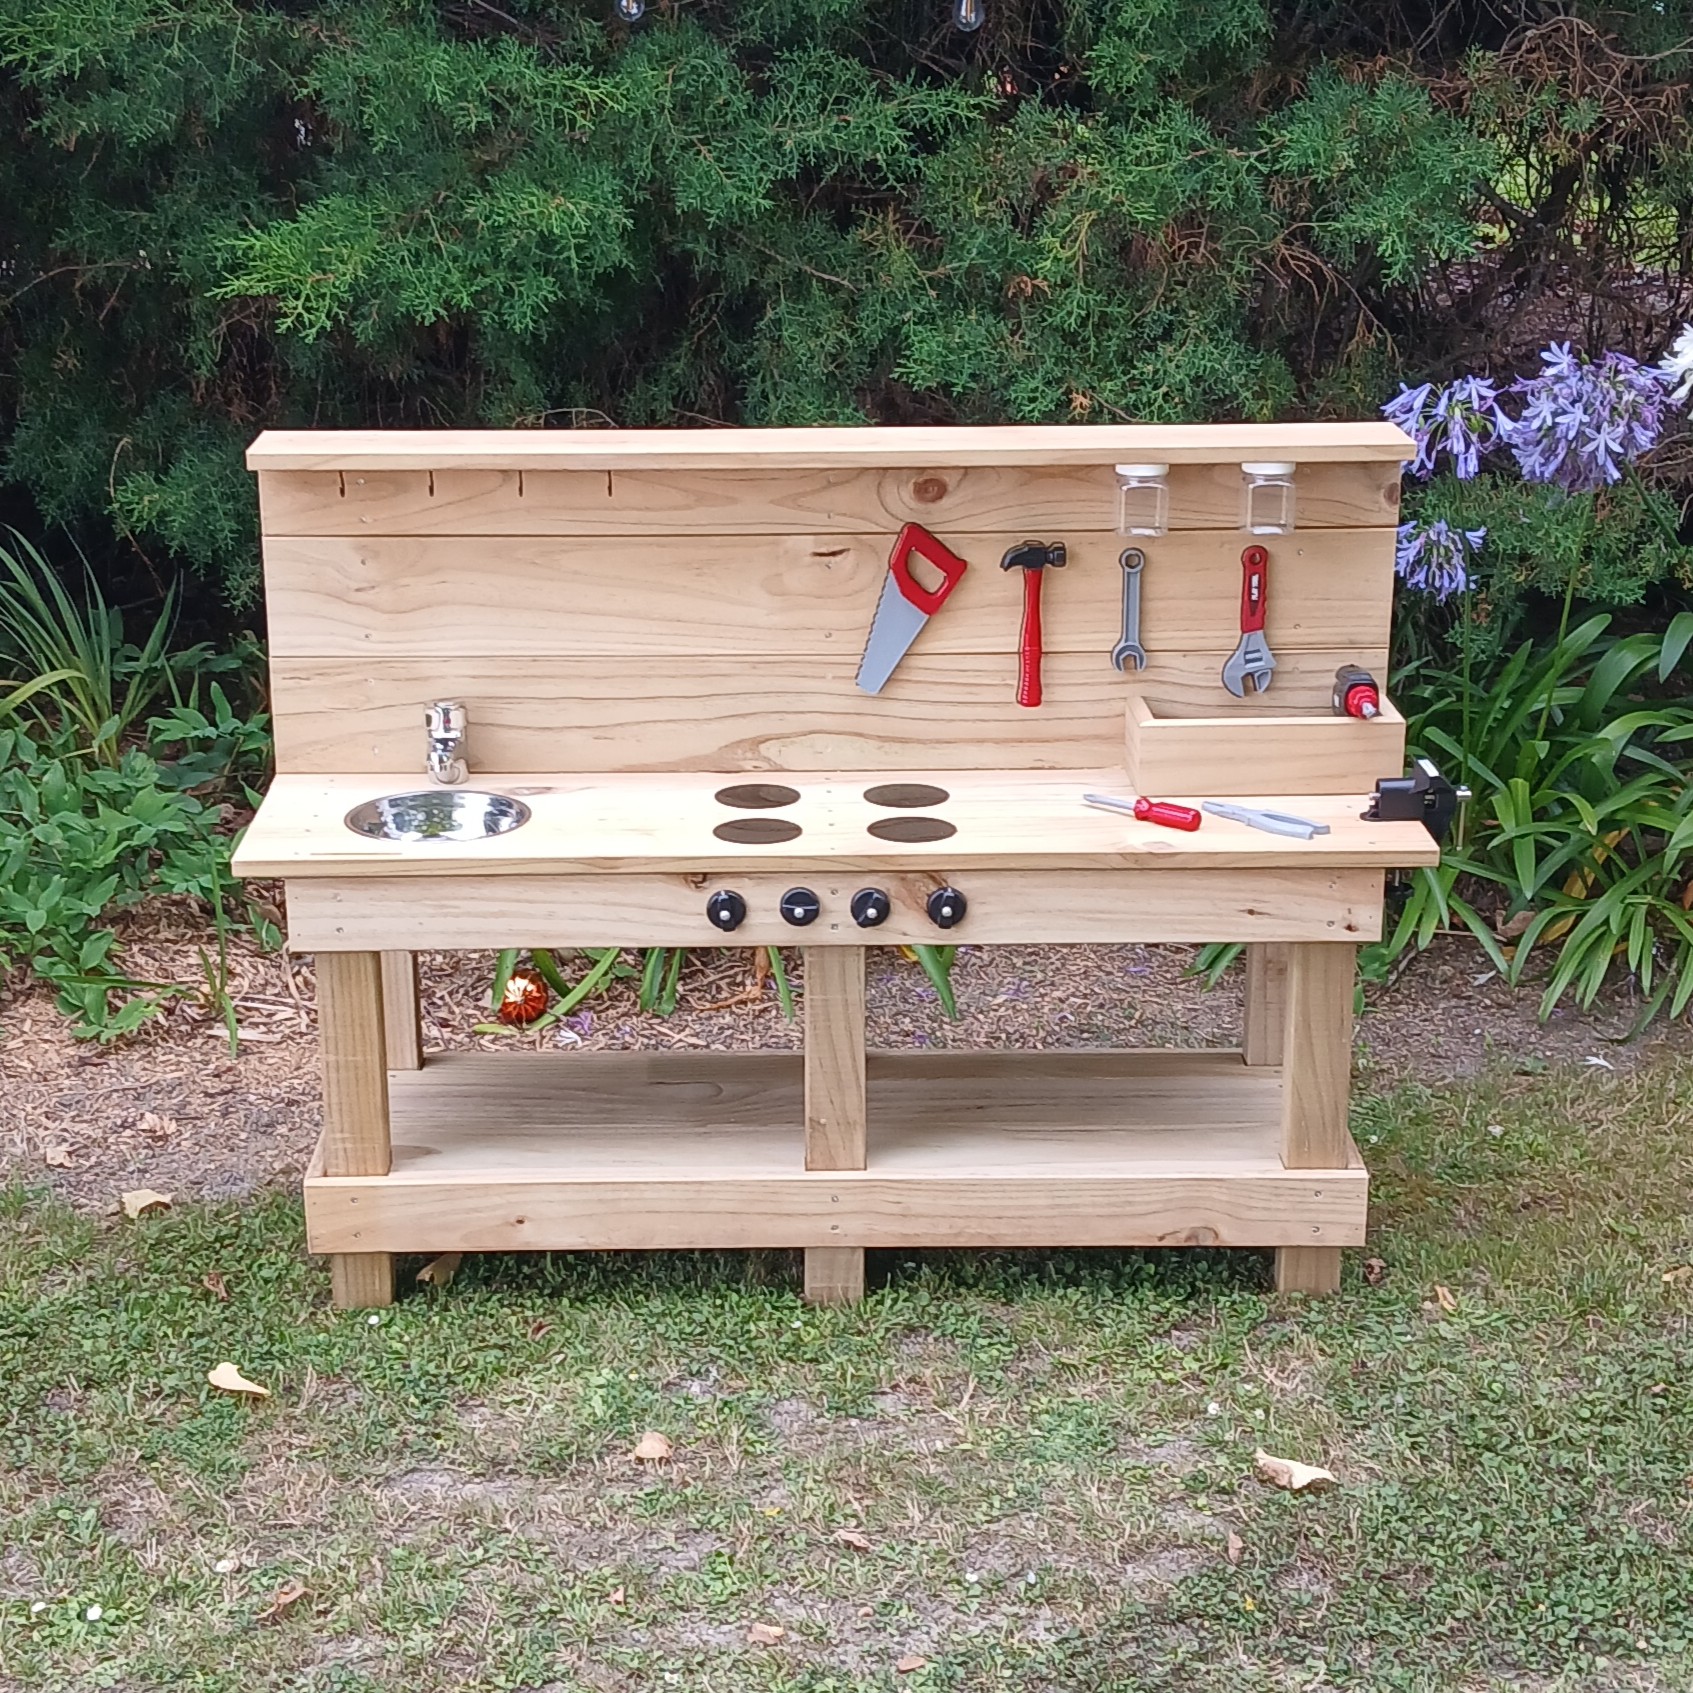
1424,796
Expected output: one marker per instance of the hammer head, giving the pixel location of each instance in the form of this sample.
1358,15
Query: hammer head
1035,555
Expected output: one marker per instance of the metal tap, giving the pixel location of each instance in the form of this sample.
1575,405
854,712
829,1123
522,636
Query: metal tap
444,721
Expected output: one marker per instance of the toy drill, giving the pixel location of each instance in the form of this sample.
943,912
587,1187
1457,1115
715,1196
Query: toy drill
1356,693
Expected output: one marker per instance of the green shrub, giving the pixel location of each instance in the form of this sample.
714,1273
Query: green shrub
80,841
228,213
69,658
1581,828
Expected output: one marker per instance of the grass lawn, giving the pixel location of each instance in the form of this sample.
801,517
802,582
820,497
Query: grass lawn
1042,1456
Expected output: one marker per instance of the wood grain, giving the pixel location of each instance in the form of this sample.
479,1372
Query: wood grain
355,1072
402,1032
1313,752
1308,1269
1317,1054
644,503
814,449
1264,1014
1053,907
970,1148
725,714
834,1275
595,1110
361,1281
544,1209
833,999
352,1047
582,824
798,594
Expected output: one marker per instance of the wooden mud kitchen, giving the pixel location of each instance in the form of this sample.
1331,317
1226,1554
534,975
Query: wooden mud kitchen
832,688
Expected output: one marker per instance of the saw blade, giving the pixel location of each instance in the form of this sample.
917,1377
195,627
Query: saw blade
895,626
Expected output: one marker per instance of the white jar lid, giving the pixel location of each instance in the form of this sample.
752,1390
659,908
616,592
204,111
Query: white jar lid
1143,471
1268,469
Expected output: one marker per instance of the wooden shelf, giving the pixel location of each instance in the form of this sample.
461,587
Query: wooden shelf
739,450
632,1151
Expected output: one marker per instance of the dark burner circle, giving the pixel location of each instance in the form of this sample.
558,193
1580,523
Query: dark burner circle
756,831
756,796
912,829
907,796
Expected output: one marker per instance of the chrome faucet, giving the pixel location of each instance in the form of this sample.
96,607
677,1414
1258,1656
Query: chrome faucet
445,721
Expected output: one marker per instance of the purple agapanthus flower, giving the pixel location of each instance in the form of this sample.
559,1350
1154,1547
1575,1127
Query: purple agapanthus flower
1434,558
1585,420
1462,419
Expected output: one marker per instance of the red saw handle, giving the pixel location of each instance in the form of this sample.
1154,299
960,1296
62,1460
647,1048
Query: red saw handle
914,538
1254,588
1028,643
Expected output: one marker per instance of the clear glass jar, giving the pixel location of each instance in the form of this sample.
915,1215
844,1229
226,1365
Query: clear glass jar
1143,499
1266,499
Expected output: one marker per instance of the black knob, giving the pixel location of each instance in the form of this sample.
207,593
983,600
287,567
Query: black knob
870,906
726,910
947,907
800,906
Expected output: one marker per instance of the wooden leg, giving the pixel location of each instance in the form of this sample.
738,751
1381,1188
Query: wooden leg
1307,1269
836,1117
1265,1018
359,1280
834,1275
355,1102
1316,1088
401,1029
835,1125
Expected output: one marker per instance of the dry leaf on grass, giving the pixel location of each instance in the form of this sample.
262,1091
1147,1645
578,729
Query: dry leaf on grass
652,1448
214,1284
59,1157
617,1595
1445,1298
1680,1273
911,1662
287,1597
155,1127
1235,1547
439,1271
764,1634
231,1380
857,1539
1290,1474
142,1199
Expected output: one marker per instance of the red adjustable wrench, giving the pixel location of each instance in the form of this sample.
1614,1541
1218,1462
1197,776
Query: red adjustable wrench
1034,559
1252,661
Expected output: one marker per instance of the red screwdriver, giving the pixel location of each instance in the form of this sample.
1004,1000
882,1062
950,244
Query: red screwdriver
1163,811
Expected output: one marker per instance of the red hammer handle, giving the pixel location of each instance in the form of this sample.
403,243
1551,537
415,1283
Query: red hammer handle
1029,643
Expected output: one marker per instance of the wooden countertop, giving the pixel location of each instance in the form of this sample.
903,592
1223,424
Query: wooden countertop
1016,820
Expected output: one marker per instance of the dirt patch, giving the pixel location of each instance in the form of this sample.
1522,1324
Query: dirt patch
170,1107
450,1486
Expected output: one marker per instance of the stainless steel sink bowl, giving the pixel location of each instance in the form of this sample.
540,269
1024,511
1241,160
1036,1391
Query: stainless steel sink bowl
438,814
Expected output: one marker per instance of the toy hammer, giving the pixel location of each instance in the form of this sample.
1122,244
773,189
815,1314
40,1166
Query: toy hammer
1034,559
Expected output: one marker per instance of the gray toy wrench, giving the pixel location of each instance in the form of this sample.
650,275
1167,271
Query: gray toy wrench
1133,562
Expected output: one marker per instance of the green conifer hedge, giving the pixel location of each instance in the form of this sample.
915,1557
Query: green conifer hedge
221,214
